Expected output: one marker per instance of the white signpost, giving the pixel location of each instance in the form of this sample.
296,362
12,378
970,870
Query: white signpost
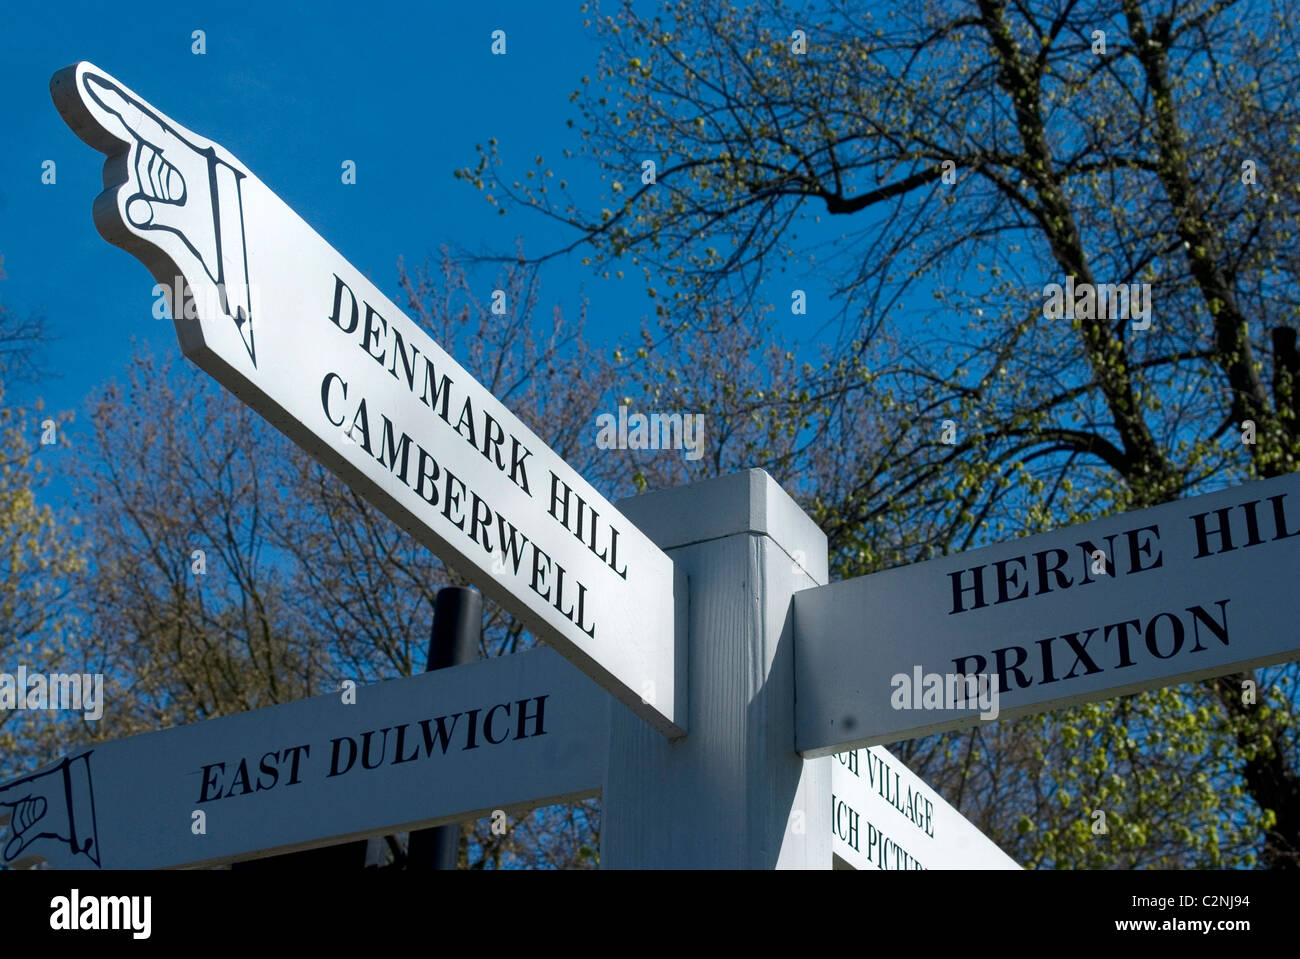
278,317
785,670
507,733
883,816
1191,589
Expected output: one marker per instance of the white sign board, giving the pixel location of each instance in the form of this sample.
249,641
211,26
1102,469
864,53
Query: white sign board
1187,590
454,744
883,816
277,316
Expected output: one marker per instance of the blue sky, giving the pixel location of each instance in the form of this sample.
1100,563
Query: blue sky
403,90
406,91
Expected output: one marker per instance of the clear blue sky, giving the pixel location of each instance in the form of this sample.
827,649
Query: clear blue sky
404,90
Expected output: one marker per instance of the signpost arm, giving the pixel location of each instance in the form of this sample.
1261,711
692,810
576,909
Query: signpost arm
740,796
457,627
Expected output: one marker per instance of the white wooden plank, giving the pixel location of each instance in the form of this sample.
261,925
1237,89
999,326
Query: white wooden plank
1197,588
298,333
884,816
454,744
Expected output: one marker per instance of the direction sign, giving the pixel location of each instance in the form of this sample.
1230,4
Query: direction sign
453,744
1182,591
277,316
883,816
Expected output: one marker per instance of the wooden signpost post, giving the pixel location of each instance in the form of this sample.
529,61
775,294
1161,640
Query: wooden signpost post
737,695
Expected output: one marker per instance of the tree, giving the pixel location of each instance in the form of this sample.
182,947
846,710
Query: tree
982,151
39,555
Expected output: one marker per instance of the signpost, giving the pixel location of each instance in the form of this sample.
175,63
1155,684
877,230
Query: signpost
506,733
786,670
278,317
1191,589
883,816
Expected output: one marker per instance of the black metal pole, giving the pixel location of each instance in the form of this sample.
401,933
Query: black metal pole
457,628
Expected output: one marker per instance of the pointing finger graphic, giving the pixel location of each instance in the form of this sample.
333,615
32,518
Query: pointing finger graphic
25,812
167,191
163,166
136,118
57,804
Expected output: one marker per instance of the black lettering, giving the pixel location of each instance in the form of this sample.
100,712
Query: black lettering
441,389
538,572
1122,635
467,419
1045,652
1062,581
1006,579
1151,635
325,397
339,287
423,474
1199,615
1279,518
241,777
271,770
538,720
451,500
613,548
1137,550
513,545
1080,656
517,465
444,734
209,782
556,482
1252,524
1203,533
387,442
958,590
558,602
477,507
362,419
371,333
487,724
365,749
1089,548
471,735
1000,655
582,601
401,741
493,436
334,756
408,368
298,753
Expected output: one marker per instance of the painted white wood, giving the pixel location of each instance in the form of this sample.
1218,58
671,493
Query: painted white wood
884,816
276,315
733,793
516,732
281,319
1171,600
